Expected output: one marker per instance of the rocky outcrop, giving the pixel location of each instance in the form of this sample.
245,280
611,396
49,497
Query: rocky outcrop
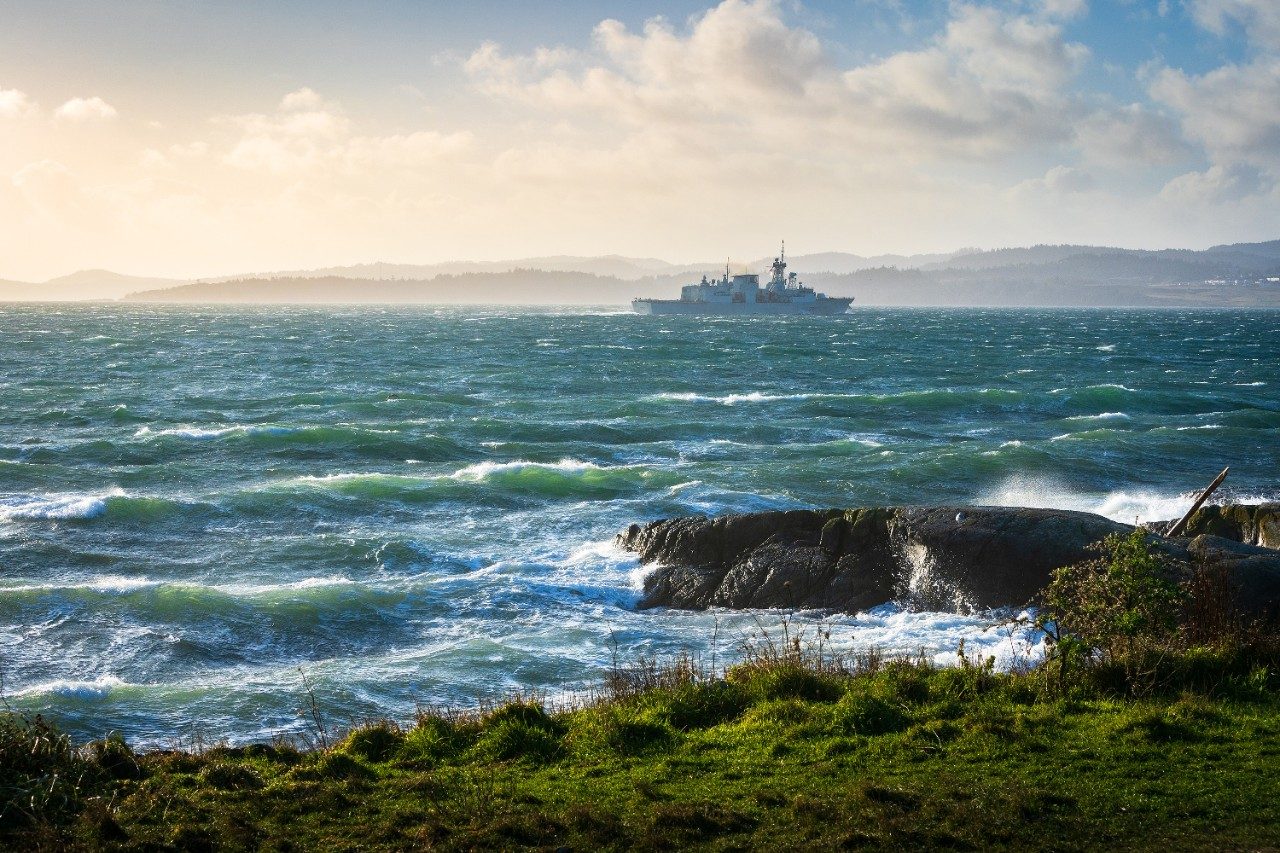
1252,524
960,558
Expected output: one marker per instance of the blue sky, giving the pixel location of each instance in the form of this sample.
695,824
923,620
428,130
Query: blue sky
188,138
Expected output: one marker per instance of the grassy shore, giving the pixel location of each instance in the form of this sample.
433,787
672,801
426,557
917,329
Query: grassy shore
787,751
1154,724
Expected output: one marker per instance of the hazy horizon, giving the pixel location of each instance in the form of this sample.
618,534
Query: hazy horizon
186,141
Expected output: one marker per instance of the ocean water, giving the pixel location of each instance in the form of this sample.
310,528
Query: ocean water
201,507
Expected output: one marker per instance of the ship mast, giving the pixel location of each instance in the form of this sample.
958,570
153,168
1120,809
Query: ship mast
779,280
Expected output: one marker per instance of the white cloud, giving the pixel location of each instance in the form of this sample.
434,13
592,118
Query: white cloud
1216,185
1259,19
739,76
1058,182
308,135
15,104
1064,9
1231,111
85,109
304,99
1132,135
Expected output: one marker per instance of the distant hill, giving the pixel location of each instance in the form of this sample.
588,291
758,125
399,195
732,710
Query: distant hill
86,285
515,287
1235,274
613,266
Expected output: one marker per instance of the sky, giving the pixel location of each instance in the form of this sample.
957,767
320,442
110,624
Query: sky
185,138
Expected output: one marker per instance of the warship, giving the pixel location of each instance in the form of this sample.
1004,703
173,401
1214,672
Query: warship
742,294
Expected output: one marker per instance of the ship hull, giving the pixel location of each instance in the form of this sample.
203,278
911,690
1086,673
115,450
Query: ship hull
826,307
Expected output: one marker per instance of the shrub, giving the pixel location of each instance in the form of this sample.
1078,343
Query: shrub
512,740
785,680
865,714
376,742
1114,606
115,757
519,730
635,736
432,739
699,705
230,776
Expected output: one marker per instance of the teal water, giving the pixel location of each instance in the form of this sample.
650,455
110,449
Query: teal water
415,506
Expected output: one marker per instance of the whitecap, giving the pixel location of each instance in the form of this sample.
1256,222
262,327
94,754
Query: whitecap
103,584
327,582
483,470
1120,505
190,432
97,688
53,507
1102,416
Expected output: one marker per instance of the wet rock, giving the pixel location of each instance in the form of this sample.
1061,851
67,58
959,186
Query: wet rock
959,558
981,557
1252,524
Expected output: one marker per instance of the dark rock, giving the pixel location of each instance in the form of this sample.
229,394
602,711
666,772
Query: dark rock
960,558
1252,524
1252,572
980,557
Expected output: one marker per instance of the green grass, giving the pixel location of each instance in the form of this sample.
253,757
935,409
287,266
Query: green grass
777,755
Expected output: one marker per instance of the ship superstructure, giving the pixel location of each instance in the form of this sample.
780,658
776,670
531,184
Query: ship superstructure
742,294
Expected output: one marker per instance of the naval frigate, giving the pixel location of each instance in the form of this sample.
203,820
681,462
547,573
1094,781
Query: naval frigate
742,294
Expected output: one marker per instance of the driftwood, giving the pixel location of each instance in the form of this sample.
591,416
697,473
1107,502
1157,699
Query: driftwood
1204,496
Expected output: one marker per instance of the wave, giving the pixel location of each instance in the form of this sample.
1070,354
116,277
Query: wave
384,441
267,433
729,399
1102,416
1123,505
114,505
565,478
56,507
97,688
924,398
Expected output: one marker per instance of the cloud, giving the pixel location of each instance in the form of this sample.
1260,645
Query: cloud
309,136
304,99
1064,9
85,109
741,76
1058,182
15,104
1217,185
1231,110
1131,135
1258,19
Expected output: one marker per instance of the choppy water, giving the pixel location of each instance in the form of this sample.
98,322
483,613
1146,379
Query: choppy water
415,505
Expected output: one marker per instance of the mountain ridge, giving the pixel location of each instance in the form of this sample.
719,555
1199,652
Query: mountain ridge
1050,271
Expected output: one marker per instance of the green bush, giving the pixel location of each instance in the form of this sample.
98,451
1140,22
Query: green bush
699,705
376,742
1114,607
519,730
512,739
230,776
862,713
433,738
785,680
115,757
635,736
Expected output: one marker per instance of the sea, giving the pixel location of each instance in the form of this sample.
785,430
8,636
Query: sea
217,524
